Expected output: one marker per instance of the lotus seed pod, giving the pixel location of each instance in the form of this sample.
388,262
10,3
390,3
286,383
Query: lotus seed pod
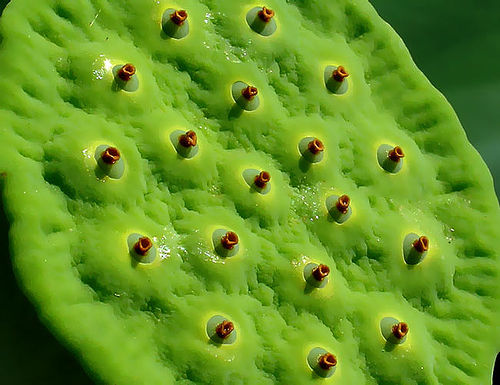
221,215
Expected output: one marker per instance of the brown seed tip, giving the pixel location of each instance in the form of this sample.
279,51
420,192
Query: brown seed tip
399,330
340,73
143,245
250,92
266,14
396,154
111,155
320,272
421,244
327,361
262,179
343,203
315,146
229,240
189,139
178,17
126,72
224,329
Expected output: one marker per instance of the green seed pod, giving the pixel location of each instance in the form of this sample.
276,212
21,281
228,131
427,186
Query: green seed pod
262,21
339,207
390,158
174,23
312,149
322,362
415,248
336,79
141,248
245,96
226,243
316,275
393,331
259,181
221,331
125,78
109,161
185,143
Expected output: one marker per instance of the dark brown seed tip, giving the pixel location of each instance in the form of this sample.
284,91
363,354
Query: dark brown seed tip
178,17
396,154
229,240
266,14
262,179
315,146
126,72
189,139
143,245
340,73
224,329
421,244
399,330
320,272
111,155
343,203
327,361
249,93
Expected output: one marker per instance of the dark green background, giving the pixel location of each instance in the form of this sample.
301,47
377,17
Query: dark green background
456,43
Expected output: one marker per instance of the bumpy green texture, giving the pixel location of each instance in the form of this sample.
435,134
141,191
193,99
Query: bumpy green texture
146,324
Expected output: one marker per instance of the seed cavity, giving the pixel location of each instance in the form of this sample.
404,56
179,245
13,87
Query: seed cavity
339,74
249,93
229,240
175,23
143,245
141,248
335,78
327,361
245,96
126,72
178,17
400,330
342,203
390,158
109,162
221,331
188,139
111,155
415,248
224,329
320,272
339,207
262,179
421,244
393,330
266,14
262,20
322,362
226,243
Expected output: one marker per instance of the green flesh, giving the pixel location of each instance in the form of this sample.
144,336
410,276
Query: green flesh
146,324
